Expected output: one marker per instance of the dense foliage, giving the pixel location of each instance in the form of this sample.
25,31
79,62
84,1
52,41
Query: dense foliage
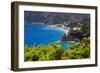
43,52
55,51
79,51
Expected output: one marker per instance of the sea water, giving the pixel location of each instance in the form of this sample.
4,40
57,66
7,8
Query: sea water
39,33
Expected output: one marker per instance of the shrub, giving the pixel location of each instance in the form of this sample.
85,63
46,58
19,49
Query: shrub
55,51
43,52
79,51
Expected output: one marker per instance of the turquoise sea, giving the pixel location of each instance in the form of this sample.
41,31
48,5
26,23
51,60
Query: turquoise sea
39,33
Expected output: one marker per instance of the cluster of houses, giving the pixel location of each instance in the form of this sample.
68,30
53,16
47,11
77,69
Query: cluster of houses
65,26
74,32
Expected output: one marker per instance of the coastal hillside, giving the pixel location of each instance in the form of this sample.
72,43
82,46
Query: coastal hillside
54,17
73,21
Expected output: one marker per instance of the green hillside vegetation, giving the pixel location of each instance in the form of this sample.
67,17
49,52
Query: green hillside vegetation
55,51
